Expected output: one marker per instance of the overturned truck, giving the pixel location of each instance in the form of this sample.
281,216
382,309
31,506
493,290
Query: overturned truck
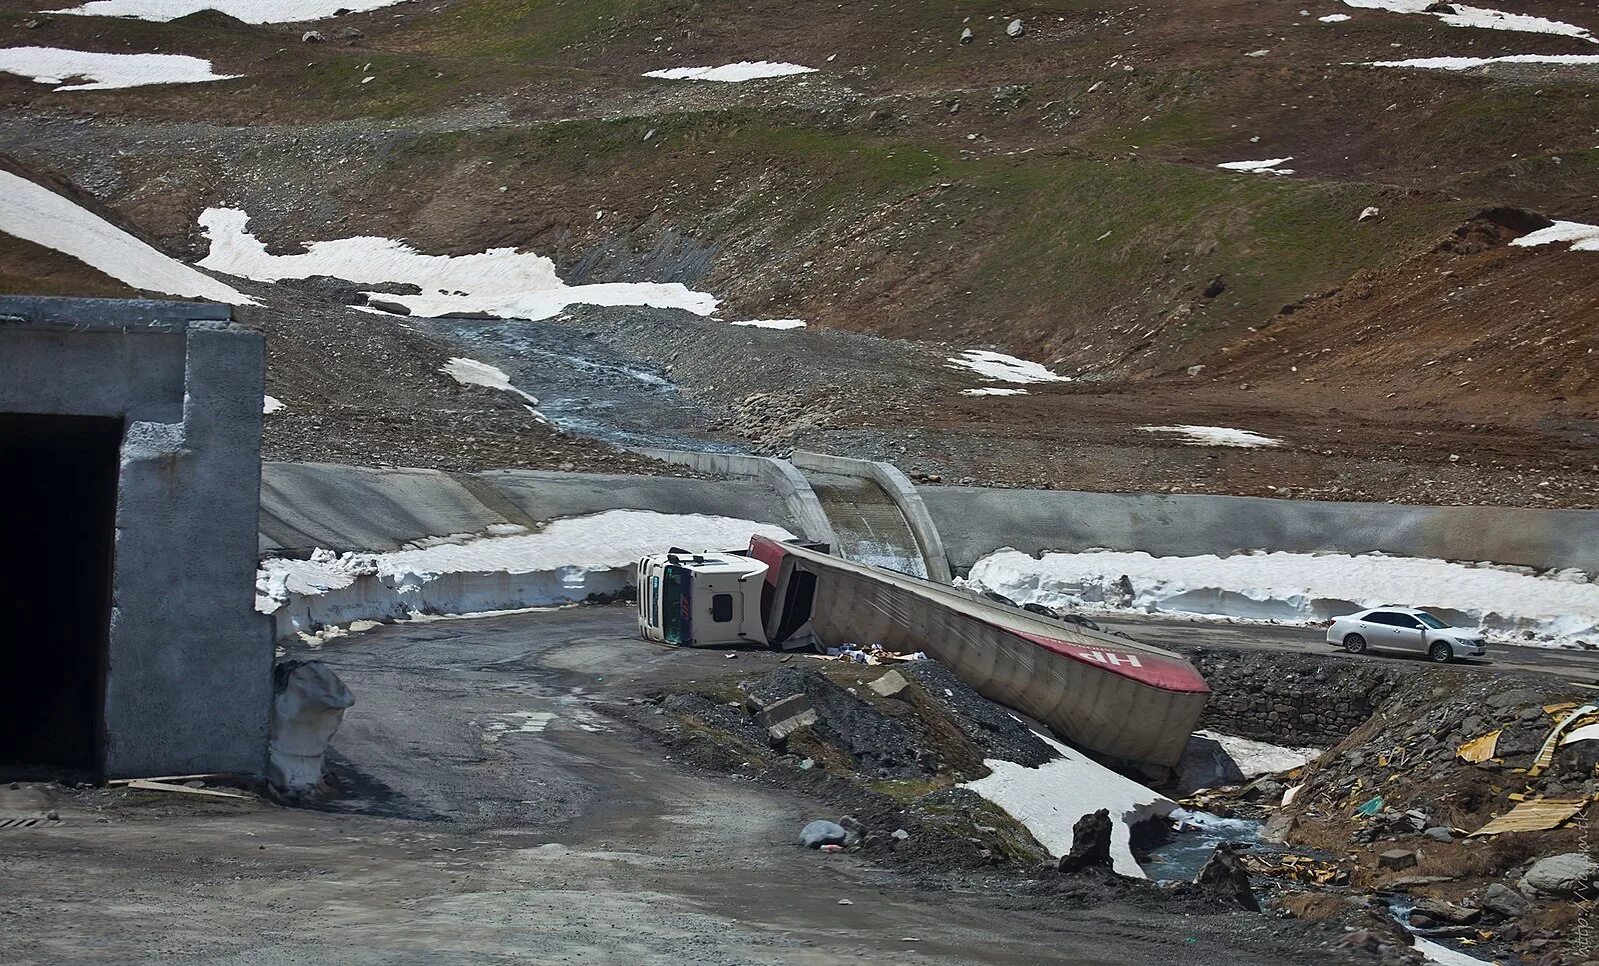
1110,695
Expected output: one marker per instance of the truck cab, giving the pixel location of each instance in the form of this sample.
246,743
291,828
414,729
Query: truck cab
701,599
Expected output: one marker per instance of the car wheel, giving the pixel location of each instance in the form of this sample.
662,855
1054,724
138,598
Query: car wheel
1441,653
1355,644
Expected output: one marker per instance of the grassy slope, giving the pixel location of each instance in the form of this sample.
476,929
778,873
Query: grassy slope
847,220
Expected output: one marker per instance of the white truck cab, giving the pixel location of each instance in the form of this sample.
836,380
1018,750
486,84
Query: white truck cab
701,599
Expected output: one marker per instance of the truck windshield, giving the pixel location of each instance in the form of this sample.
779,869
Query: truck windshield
676,597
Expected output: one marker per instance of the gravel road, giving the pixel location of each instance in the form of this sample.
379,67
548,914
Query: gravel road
496,811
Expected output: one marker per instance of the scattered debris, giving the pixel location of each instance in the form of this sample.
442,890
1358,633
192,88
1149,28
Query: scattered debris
155,786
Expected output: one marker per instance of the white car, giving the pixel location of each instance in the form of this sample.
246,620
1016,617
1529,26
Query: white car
1404,629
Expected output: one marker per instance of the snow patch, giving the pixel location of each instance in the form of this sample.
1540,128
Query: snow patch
1444,956
270,405
103,72
1464,16
36,214
1005,368
1280,587
1335,18
568,561
1268,166
1214,436
772,323
1582,238
744,70
1258,757
1049,800
470,372
501,281
1466,63
248,11
993,391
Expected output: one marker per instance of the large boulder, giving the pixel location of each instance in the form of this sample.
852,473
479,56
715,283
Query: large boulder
1444,912
1090,843
820,832
1502,900
1224,876
1562,875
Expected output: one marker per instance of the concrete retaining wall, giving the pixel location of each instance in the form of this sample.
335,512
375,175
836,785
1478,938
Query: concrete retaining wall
975,521
305,506
803,506
1295,699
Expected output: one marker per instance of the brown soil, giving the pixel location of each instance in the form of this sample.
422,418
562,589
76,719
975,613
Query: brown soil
1054,196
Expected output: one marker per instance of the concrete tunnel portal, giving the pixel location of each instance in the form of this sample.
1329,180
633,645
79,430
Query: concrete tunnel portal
58,485
130,477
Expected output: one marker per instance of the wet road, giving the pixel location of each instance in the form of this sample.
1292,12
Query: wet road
1581,667
498,811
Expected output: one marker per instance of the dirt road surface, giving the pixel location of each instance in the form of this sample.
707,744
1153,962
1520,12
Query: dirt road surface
495,811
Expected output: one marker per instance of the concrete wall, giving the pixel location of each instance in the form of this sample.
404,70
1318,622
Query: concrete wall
309,505
189,679
905,496
803,506
975,521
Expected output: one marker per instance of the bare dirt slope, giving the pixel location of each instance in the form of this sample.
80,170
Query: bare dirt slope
1054,195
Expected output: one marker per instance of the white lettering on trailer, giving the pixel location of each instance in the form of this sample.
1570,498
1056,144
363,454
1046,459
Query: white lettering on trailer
1114,659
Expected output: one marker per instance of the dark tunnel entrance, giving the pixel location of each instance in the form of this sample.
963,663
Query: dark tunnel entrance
58,489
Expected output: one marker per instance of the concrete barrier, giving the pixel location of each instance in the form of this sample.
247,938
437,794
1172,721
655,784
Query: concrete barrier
305,506
904,494
804,509
975,521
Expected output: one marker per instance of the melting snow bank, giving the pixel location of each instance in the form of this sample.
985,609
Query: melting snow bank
470,372
36,214
1583,238
500,282
744,70
1215,436
101,72
1443,955
249,11
1555,609
1466,63
1269,166
1460,15
1255,758
569,561
1050,799
998,365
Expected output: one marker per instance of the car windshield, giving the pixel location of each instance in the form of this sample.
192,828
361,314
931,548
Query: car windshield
1430,620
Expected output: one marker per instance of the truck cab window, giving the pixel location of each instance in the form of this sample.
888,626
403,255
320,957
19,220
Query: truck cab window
721,608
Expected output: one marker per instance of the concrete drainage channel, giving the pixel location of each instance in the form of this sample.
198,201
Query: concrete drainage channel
869,512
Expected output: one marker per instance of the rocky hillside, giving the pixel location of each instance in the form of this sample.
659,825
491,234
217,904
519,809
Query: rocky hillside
1043,179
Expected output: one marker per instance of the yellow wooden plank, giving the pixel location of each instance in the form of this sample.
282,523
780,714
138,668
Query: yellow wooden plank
1533,816
1479,749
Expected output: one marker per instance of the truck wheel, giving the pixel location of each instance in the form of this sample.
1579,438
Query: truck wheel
1355,644
1441,653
